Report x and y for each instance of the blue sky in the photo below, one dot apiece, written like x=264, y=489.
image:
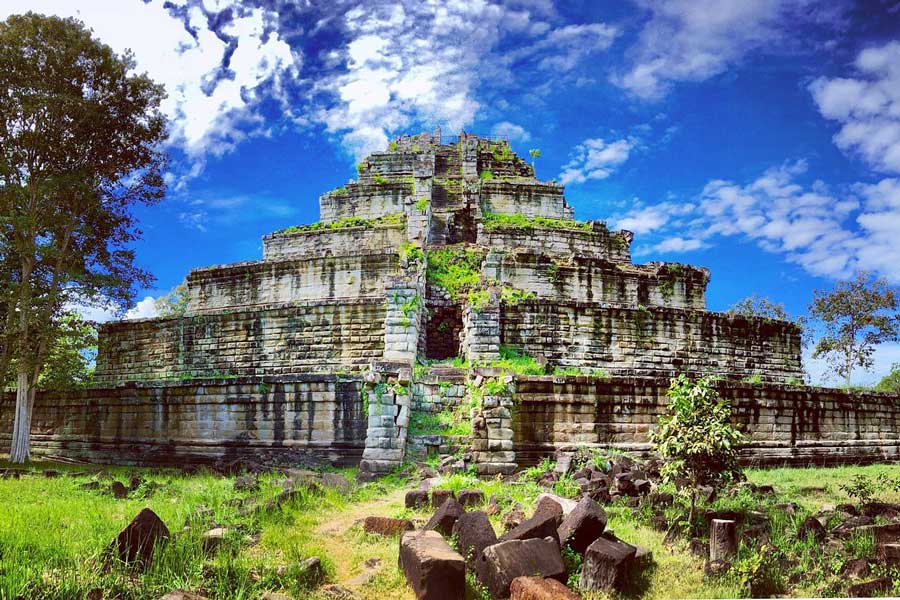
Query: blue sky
x=760, y=139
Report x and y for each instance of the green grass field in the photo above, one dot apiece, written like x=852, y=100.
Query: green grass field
x=53, y=534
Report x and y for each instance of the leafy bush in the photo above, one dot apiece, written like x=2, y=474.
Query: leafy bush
x=493, y=220
x=347, y=222
x=760, y=573
x=456, y=270
x=484, y=175
x=695, y=436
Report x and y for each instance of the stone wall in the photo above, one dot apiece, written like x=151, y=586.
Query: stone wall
x=601, y=243
x=785, y=424
x=653, y=341
x=261, y=283
x=596, y=280
x=294, y=420
x=365, y=200
x=532, y=199
x=380, y=239
x=301, y=337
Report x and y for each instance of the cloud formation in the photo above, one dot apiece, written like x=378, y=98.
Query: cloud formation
x=867, y=107
x=693, y=40
x=595, y=158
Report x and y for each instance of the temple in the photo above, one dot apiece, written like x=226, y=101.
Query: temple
x=425, y=287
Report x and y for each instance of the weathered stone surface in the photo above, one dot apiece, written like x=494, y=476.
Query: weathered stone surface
x=716, y=568
x=541, y=525
x=539, y=588
x=386, y=526
x=445, y=517
x=723, y=542
x=607, y=562
x=213, y=538
x=812, y=528
x=513, y=518
x=503, y=562
x=416, y=499
x=474, y=533
x=567, y=504
x=118, y=489
x=547, y=506
x=469, y=498
x=432, y=568
x=582, y=526
x=336, y=481
x=870, y=588
x=438, y=497
x=136, y=542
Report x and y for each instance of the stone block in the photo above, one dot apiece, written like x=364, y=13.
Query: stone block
x=607, y=562
x=444, y=518
x=582, y=526
x=502, y=563
x=474, y=533
x=432, y=568
x=538, y=588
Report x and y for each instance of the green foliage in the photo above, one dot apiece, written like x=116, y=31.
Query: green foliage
x=503, y=153
x=553, y=272
x=512, y=296
x=864, y=489
x=393, y=147
x=379, y=180
x=408, y=308
x=360, y=167
x=70, y=360
x=695, y=435
x=534, y=153
x=890, y=382
x=422, y=204
x=857, y=316
x=534, y=473
x=755, y=379
x=495, y=386
x=566, y=487
x=486, y=175
x=348, y=222
x=456, y=270
x=478, y=299
x=411, y=254
x=493, y=221
x=514, y=360
x=341, y=191
x=173, y=304
x=760, y=573
x=448, y=422
x=596, y=373
x=759, y=307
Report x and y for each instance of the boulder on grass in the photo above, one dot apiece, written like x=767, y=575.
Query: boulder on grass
x=336, y=481
x=607, y=562
x=870, y=588
x=416, y=499
x=432, y=568
x=538, y=588
x=213, y=538
x=118, y=489
x=812, y=527
x=386, y=526
x=723, y=542
x=474, y=533
x=470, y=498
x=541, y=525
x=549, y=506
x=567, y=504
x=438, y=497
x=445, y=517
x=582, y=526
x=135, y=543
x=513, y=518
x=503, y=562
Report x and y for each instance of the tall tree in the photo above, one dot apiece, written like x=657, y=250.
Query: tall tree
x=759, y=306
x=857, y=315
x=80, y=137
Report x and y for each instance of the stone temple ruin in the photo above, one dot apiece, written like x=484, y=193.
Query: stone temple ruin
x=425, y=280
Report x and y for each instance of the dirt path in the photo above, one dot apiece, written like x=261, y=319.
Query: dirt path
x=362, y=563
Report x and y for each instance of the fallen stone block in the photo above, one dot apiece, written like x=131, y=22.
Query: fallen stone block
x=513, y=519
x=310, y=573
x=416, y=499
x=432, y=568
x=136, y=542
x=503, y=562
x=445, y=517
x=386, y=526
x=856, y=568
x=539, y=526
x=538, y=588
x=246, y=483
x=812, y=527
x=870, y=588
x=470, y=498
x=716, y=568
x=438, y=497
x=582, y=526
x=118, y=489
x=213, y=538
x=548, y=506
x=888, y=553
x=607, y=562
x=337, y=482
x=474, y=533
x=566, y=504
x=275, y=596
x=723, y=542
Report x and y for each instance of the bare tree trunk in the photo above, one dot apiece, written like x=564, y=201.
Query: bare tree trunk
x=21, y=436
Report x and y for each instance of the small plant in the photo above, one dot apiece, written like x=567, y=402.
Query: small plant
x=393, y=146
x=341, y=191
x=566, y=487
x=494, y=386
x=422, y=204
x=360, y=167
x=537, y=471
x=379, y=180
x=695, y=436
x=493, y=221
x=408, y=308
x=553, y=273
x=755, y=379
x=864, y=489
x=486, y=175
x=478, y=299
x=411, y=254
x=512, y=296
x=760, y=573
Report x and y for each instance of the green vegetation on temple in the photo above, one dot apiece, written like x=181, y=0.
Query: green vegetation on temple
x=492, y=221
x=348, y=222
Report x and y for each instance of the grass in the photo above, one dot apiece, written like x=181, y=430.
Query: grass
x=347, y=222
x=518, y=221
x=53, y=533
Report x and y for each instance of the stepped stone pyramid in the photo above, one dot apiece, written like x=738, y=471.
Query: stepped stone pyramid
x=507, y=266
x=444, y=258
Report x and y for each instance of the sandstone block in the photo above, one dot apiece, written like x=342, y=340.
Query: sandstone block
x=432, y=568
x=386, y=526
x=445, y=517
x=540, y=526
x=538, y=588
x=136, y=542
x=583, y=525
x=503, y=562
x=607, y=562
x=474, y=533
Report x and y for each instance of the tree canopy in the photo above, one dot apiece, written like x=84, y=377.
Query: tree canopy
x=856, y=316
x=80, y=145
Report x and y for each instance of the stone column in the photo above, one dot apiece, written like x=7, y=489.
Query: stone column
x=481, y=330
x=418, y=211
x=388, y=398
x=405, y=302
x=492, y=433
x=469, y=156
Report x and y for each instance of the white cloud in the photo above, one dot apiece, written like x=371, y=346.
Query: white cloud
x=827, y=232
x=511, y=130
x=595, y=158
x=867, y=107
x=692, y=40
x=214, y=80
x=144, y=309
